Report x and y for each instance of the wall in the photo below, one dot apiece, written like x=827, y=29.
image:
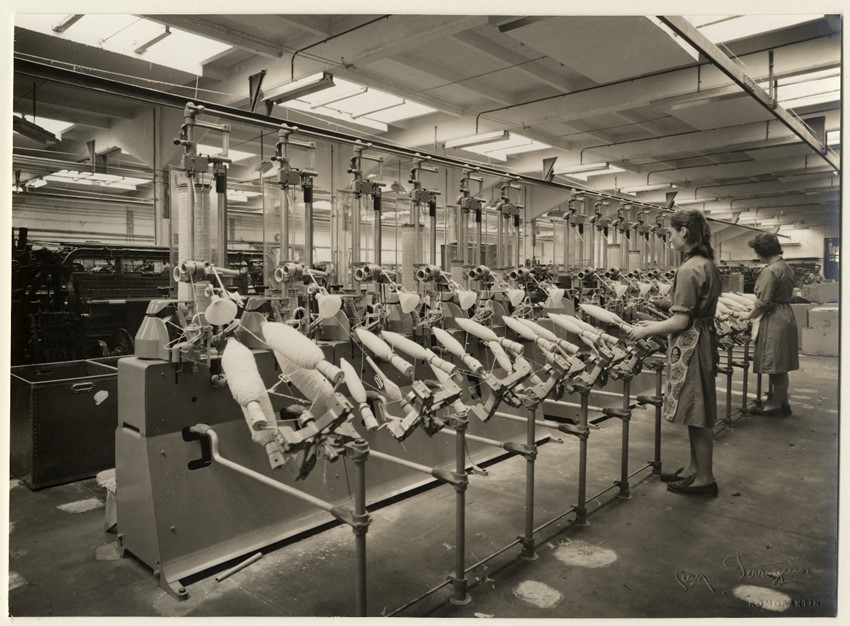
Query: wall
x=801, y=244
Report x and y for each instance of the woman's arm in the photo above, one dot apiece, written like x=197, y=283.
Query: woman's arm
x=677, y=322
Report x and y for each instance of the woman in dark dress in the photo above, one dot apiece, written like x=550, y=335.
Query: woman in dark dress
x=691, y=397
x=776, y=342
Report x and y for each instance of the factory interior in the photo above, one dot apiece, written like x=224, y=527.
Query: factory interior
x=338, y=315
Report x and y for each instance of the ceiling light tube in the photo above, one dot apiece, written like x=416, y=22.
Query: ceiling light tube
x=648, y=187
x=478, y=140
x=145, y=46
x=581, y=169
x=32, y=131
x=695, y=201
x=301, y=88
x=67, y=22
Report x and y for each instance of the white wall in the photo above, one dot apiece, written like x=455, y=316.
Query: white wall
x=800, y=244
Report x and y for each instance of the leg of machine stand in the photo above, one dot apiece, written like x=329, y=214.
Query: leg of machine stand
x=758, y=389
x=729, y=374
x=744, y=399
x=656, y=464
x=459, y=580
x=362, y=453
x=581, y=507
x=527, y=540
x=624, y=455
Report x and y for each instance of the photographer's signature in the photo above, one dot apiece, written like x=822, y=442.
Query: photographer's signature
x=778, y=569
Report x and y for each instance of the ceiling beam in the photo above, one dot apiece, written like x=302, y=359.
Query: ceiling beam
x=66, y=114
x=734, y=71
x=314, y=24
x=661, y=87
x=223, y=33
x=829, y=181
x=488, y=40
x=742, y=169
x=456, y=78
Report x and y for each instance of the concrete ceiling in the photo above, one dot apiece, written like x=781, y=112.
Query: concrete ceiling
x=614, y=89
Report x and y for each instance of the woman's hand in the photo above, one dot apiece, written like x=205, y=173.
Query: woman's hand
x=640, y=330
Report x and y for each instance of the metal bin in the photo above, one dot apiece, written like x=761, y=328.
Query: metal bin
x=63, y=419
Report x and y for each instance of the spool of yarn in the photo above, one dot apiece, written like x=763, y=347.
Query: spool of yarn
x=299, y=349
x=392, y=390
x=454, y=346
x=245, y=384
x=358, y=393
x=416, y=351
x=381, y=350
x=501, y=356
x=485, y=334
x=547, y=334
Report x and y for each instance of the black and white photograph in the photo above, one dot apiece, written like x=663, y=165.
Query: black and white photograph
x=453, y=310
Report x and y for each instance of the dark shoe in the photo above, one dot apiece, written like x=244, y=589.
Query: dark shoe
x=668, y=477
x=710, y=491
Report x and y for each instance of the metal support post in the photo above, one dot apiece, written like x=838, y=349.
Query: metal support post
x=527, y=540
x=730, y=372
x=624, y=454
x=581, y=507
x=360, y=454
x=459, y=581
x=746, y=368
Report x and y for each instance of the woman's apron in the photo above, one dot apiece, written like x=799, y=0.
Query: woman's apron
x=683, y=345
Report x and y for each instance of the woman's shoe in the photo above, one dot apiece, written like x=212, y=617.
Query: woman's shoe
x=783, y=411
x=710, y=491
x=668, y=477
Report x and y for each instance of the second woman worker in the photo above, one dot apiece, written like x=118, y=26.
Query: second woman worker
x=776, y=341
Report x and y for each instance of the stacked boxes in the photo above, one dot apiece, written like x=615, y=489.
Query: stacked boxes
x=820, y=336
x=822, y=292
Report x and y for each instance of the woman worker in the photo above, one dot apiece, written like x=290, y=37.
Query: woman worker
x=776, y=342
x=690, y=397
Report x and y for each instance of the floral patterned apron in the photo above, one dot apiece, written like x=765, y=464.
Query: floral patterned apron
x=682, y=348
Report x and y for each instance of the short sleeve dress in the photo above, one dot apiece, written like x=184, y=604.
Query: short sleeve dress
x=776, y=344
x=691, y=396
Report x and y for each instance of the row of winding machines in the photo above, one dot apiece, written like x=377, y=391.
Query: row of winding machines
x=233, y=405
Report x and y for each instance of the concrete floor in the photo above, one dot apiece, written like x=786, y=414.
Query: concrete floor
x=766, y=547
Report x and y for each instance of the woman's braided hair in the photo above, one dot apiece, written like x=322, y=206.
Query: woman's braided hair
x=699, y=233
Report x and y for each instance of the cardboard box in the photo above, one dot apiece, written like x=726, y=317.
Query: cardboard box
x=824, y=317
x=822, y=292
x=819, y=341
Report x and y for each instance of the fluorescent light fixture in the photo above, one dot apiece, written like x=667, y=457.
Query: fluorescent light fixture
x=32, y=131
x=733, y=27
x=648, y=187
x=694, y=201
x=611, y=169
x=240, y=195
x=155, y=40
x=301, y=88
x=349, y=102
x=499, y=145
x=479, y=140
x=97, y=179
x=833, y=138
x=67, y=22
x=233, y=155
x=35, y=183
x=580, y=168
x=126, y=34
